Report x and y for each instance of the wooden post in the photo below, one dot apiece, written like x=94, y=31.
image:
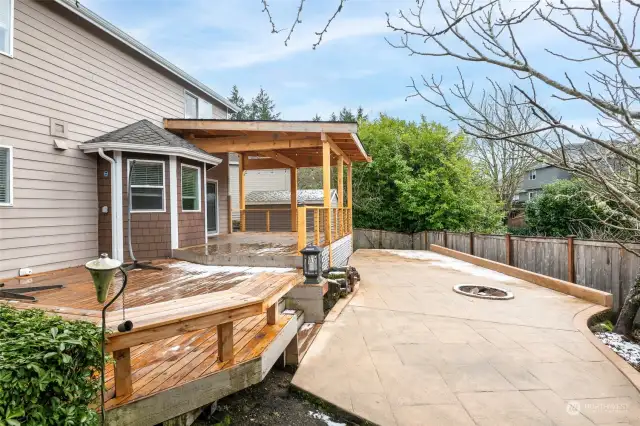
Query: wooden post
x=294, y=198
x=273, y=314
x=268, y=221
x=507, y=242
x=123, y=372
x=225, y=341
x=471, y=243
x=326, y=187
x=350, y=197
x=302, y=227
x=340, y=172
x=444, y=237
x=571, y=259
x=241, y=202
x=229, y=214
x=316, y=227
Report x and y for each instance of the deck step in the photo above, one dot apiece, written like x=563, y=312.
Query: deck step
x=306, y=334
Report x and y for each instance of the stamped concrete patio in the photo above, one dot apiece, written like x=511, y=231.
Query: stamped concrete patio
x=407, y=350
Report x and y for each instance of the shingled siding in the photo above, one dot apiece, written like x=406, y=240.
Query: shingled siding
x=191, y=229
x=151, y=232
x=67, y=70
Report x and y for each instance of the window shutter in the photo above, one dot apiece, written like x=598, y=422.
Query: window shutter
x=146, y=174
x=4, y=175
x=189, y=183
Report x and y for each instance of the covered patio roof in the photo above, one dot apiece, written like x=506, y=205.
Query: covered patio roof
x=273, y=144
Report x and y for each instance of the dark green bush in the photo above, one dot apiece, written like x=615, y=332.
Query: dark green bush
x=48, y=369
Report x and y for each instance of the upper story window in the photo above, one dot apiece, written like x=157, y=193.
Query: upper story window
x=190, y=188
x=6, y=176
x=195, y=107
x=147, y=185
x=6, y=27
x=532, y=175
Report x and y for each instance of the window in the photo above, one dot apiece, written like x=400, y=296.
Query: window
x=147, y=185
x=6, y=27
x=190, y=105
x=6, y=176
x=531, y=195
x=190, y=188
x=194, y=107
x=532, y=175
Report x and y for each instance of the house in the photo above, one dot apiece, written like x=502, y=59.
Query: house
x=68, y=76
x=106, y=147
x=255, y=180
x=536, y=177
x=277, y=203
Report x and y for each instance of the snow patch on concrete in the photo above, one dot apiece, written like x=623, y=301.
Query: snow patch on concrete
x=321, y=416
x=446, y=262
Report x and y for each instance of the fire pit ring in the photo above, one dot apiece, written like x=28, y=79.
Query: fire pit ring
x=483, y=291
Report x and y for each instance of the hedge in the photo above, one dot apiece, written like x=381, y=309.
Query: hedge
x=49, y=369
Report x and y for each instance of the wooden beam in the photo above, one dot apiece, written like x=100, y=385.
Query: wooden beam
x=241, y=196
x=122, y=374
x=267, y=163
x=278, y=157
x=225, y=341
x=293, y=174
x=255, y=137
x=257, y=126
x=273, y=314
x=350, y=198
x=229, y=214
x=212, y=146
x=336, y=149
x=340, y=181
x=302, y=227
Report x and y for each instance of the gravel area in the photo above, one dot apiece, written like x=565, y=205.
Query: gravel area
x=629, y=351
x=270, y=403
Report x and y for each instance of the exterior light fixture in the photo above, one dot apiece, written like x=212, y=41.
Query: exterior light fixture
x=312, y=264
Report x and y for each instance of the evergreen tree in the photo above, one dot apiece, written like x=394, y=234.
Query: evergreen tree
x=347, y=115
x=333, y=117
x=316, y=118
x=263, y=107
x=238, y=100
x=360, y=115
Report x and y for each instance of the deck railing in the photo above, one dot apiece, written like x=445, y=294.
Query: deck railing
x=265, y=220
x=322, y=225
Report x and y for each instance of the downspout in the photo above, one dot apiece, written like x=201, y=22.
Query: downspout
x=114, y=204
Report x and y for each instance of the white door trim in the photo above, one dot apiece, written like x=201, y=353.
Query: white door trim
x=217, y=207
x=173, y=201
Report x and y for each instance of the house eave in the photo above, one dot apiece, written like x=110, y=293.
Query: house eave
x=123, y=37
x=89, y=148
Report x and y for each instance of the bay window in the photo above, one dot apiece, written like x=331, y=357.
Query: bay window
x=190, y=188
x=147, y=185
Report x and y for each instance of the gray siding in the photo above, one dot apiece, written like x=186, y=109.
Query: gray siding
x=544, y=176
x=67, y=70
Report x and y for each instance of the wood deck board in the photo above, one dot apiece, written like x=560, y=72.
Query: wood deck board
x=162, y=370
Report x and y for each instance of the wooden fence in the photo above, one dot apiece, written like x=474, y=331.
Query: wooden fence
x=602, y=265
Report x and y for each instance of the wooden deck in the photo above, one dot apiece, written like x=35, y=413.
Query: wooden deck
x=200, y=332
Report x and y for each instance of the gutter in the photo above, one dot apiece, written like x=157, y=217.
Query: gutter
x=146, y=149
x=106, y=26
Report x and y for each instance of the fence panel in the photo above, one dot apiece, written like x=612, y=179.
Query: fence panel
x=547, y=256
x=490, y=247
x=459, y=242
x=376, y=239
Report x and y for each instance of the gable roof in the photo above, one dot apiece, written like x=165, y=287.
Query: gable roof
x=305, y=196
x=144, y=136
x=106, y=26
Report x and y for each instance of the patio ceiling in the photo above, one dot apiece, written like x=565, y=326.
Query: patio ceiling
x=273, y=144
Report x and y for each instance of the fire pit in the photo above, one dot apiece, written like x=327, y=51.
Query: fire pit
x=483, y=291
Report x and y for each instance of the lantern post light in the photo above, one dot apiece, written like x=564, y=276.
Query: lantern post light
x=312, y=264
x=103, y=270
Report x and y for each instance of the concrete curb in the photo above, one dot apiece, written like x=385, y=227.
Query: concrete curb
x=580, y=321
x=592, y=295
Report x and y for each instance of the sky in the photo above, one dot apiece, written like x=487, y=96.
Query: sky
x=223, y=43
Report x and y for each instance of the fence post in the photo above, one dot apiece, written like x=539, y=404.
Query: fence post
x=471, y=243
x=444, y=237
x=507, y=242
x=571, y=259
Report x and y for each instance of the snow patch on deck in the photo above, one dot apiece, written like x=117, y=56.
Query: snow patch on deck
x=209, y=270
x=446, y=262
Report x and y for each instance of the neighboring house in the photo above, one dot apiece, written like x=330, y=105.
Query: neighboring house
x=255, y=180
x=68, y=76
x=278, y=203
x=539, y=175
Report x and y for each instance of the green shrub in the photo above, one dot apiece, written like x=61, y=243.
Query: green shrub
x=49, y=369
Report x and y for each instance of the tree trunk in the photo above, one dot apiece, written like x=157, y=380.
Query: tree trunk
x=624, y=325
